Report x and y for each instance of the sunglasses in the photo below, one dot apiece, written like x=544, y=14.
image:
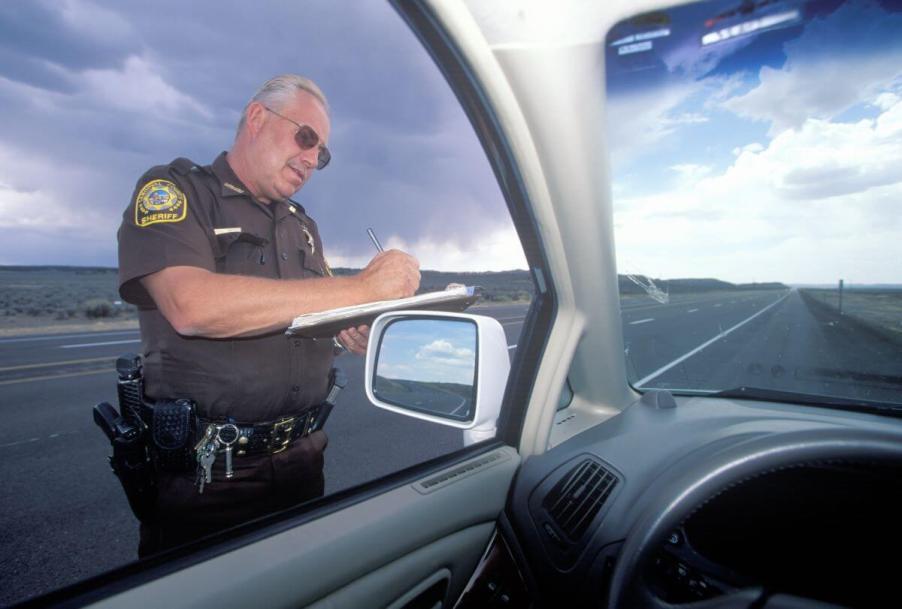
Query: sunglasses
x=307, y=138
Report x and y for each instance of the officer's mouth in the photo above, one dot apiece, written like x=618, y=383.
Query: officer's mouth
x=301, y=175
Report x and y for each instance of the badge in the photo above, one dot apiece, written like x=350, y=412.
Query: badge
x=309, y=236
x=160, y=201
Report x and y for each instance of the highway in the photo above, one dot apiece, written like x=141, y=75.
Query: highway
x=771, y=340
x=65, y=518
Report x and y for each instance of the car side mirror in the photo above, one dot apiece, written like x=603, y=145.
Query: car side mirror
x=448, y=368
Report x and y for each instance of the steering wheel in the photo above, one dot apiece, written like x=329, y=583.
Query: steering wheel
x=690, y=483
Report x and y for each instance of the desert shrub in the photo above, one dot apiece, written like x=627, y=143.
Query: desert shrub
x=97, y=308
x=66, y=314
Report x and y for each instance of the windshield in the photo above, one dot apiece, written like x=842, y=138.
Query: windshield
x=757, y=188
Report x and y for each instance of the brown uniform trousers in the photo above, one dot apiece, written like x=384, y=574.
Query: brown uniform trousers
x=262, y=484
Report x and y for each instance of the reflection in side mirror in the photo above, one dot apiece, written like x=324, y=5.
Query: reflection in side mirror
x=442, y=367
x=429, y=366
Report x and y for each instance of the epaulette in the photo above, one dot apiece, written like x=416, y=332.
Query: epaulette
x=297, y=205
x=183, y=166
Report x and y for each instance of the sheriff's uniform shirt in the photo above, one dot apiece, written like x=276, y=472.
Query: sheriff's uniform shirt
x=185, y=215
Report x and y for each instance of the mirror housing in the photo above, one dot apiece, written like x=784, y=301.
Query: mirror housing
x=457, y=367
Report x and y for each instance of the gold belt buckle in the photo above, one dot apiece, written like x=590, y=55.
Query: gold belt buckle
x=281, y=434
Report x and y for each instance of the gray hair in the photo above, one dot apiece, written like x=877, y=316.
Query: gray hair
x=278, y=91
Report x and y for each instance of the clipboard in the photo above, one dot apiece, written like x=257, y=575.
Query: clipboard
x=327, y=324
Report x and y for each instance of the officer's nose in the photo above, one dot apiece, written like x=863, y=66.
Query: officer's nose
x=310, y=158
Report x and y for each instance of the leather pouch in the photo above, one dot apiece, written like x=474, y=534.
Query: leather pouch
x=173, y=433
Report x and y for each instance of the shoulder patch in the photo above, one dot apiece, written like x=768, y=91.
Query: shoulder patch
x=160, y=201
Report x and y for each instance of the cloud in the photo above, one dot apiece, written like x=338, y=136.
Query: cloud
x=70, y=34
x=826, y=159
x=441, y=361
x=444, y=352
x=138, y=87
x=815, y=84
x=499, y=250
x=37, y=217
x=638, y=121
x=815, y=204
x=691, y=172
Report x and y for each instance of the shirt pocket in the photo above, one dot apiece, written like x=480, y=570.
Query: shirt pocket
x=313, y=264
x=240, y=252
x=310, y=251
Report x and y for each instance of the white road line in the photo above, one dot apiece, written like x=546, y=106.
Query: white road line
x=641, y=321
x=52, y=436
x=463, y=402
x=110, y=342
x=28, y=441
x=692, y=310
x=686, y=356
x=509, y=347
x=718, y=304
x=64, y=336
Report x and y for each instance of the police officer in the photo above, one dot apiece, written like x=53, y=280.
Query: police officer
x=219, y=260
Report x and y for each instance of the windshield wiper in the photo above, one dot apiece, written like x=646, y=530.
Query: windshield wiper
x=890, y=409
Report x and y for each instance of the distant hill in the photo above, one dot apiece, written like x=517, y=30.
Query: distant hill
x=33, y=293
x=683, y=286
x=506, y=286
x=78, y=270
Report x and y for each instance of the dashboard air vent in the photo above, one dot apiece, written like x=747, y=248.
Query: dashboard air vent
x=574, y=501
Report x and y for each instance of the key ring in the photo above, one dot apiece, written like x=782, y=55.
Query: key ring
x=230, y=436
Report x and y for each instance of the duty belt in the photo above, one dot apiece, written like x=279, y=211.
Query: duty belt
x=270, y=437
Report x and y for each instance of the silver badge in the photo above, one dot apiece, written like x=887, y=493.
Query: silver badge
x=309, y=236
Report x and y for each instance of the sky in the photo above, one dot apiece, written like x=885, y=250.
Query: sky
x=410, y=351
x=768, y=158
x=94, y=93
x=763, y=158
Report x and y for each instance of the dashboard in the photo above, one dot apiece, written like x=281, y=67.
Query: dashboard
x=709, y=500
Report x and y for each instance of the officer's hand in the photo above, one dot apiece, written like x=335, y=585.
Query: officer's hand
x=356, y=339
x=391, y=274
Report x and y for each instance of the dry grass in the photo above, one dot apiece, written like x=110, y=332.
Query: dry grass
x=41, y=299
x=881, y=309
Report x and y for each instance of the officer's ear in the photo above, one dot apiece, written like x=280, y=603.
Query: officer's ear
x=254, y=118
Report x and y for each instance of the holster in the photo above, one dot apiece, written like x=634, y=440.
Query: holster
x=130, y=460
x=134, y=468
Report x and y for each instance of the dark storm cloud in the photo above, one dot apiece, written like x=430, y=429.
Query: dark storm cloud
x=63, y=34
x=105, y=90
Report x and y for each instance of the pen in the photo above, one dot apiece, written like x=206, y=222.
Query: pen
x=375, y=241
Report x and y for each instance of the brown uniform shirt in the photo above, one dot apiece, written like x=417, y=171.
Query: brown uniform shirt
x=185, y=215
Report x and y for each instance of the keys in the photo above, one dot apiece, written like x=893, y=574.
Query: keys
x=205, y=459
x=226, y=436
x=205, y=439
x=205, y=451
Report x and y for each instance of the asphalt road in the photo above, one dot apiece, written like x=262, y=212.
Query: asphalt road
x=771, y=340
x=65, y=518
